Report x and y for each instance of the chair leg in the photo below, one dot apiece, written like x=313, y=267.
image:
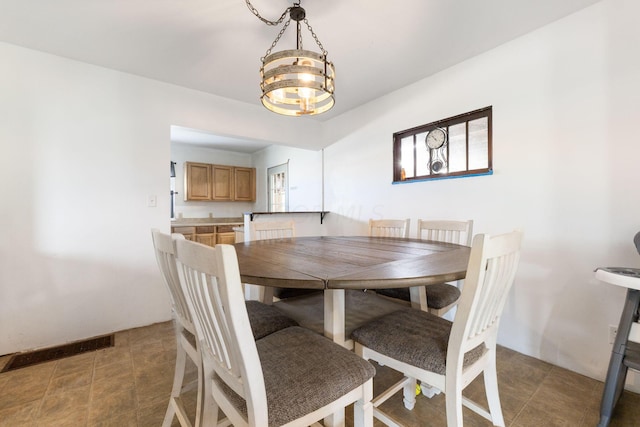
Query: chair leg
x=429, y=390
x=176, y=391
x=200, y=396
x=210, y=407
x=453, y=401
x=336, y=419
x=617, y=371
x=491, y=389
x=409, y=394
x=363, y=408
x=613, y=386
x=168, y=416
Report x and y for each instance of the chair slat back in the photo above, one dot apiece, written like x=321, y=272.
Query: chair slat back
x=490, y=274
x=389, y=227
x=459, y=232
x=272, y=230
x=211, y=280
x=165, y=255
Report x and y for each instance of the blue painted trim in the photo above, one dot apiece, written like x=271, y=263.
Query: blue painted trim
x=410, y=181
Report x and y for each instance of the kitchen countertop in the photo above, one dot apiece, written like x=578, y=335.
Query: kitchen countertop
x=191, y=222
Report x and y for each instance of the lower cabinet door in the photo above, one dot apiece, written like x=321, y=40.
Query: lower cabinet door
x=206, y=239
x=226, y=238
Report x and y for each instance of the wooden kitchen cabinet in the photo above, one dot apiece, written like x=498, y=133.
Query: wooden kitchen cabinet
x=244, y=184
x=225, y=234
x=197, y=181
x=209, y=235
x=222, y=183
x=219, y=183
x=206, y=234
x=189, y=233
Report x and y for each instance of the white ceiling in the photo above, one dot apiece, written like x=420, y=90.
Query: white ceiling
x=183, y=135
x=215, y=45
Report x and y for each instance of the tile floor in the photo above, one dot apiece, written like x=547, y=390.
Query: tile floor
x=129, y=384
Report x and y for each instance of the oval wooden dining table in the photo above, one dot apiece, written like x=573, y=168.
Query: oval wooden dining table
x=335, y=264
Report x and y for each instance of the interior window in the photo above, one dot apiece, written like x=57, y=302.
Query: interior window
x=454, y=147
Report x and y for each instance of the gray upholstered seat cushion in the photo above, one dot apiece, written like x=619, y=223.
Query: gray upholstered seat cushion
x=304, y=371
x=414, y=337
x=438, y=296
x=266, y=319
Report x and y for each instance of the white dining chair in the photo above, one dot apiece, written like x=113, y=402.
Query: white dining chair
x=448, y=355
x=389, y=227
x=186, y=343
x=442, y=297
x=293, y=377
x=276, y=230
x=272, y=230
x=449, y=231
x=263, y=319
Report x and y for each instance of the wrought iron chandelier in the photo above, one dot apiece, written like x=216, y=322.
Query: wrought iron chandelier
x=295, y=82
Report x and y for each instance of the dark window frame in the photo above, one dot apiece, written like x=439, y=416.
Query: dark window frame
x=444, y=124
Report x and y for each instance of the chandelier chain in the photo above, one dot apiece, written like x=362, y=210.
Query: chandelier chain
x=313, y=34
x=266, y=21
x=279, y=21
x=275, y=42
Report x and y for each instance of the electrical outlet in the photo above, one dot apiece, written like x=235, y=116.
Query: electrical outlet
x=613, y=330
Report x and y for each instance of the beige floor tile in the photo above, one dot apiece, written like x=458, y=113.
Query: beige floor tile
x=112, y=405
x=512, y=399
x=73, y=418
x=70, y=381
x=112, y=355
x=59, y=402
x=124, y=419
x=3, y=380
x=42, y=371
x=556, y=401
x=123, y=368
x=26, y=385
x=152, y=392
x=80, y=363
x=152, y=414
x=23, y=414
x=534, y=417
x=121, y=339
x=152, y=354
x=109, y=385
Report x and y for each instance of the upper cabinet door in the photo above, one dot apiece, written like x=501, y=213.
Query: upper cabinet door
x=197, y=179
x=222, y=183
x=245, y=184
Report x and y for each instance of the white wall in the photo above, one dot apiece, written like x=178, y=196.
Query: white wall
x=304, y=177
x=305, y=187
x=82, y=148
x=565, y=113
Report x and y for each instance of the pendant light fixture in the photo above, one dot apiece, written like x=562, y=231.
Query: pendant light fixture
x=295, y=82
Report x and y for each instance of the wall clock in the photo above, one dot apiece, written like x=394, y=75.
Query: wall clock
x=436, y=138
